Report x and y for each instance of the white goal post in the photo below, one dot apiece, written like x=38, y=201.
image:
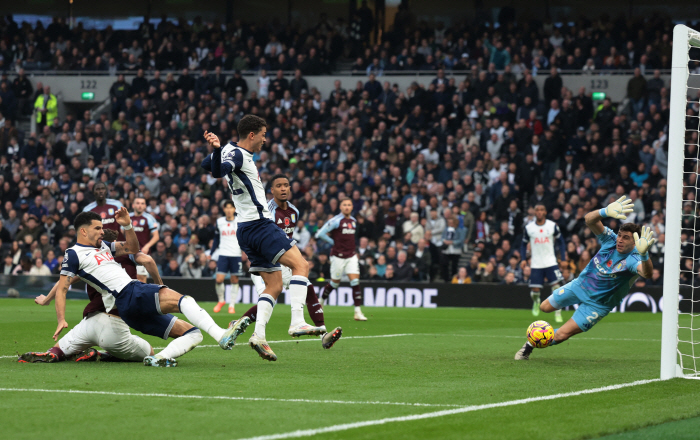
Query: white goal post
x=677, y=343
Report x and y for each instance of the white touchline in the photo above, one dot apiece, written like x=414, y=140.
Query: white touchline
x=253, y=399
x=446, y=412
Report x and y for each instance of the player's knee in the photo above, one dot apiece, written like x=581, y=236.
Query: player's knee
x=301, y=266
x=220, y=278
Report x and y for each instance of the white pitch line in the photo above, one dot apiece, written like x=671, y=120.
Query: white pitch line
x=252, y=399
x=447, y=412
x=585, y=338
x=311, y=340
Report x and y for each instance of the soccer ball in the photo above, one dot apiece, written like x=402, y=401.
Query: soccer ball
x=540, y=334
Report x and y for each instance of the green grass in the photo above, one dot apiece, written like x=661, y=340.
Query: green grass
x=457, y=357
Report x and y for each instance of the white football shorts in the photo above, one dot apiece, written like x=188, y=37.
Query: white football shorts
x=347, y=266
x=108, y=332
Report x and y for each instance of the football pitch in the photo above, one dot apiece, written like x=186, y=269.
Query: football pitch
x=404, y=374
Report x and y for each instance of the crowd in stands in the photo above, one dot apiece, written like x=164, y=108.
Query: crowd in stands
x=587, y=46
x=436, y=172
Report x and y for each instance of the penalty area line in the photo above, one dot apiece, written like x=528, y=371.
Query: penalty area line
x=442, y=413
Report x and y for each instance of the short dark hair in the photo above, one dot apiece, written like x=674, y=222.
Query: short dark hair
x=228, y=202
x=85, y=219
x=250, y=123
x=631, y=227
x=110, y=235
x=278, y=176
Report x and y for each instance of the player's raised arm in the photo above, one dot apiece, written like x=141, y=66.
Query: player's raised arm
x=131, y=245
x=643, y=243
x=213, y=164
x=617, y=209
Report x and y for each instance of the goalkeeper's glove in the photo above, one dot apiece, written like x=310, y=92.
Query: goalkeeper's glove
x=644, y=242
x=618, y=209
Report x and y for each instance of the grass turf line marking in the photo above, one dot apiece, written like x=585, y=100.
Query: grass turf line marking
x=446, y=412
x=314, y=339
x=585, y=338
x=255, y=399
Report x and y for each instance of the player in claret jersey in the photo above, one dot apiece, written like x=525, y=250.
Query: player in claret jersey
x=229, y=256
x=342, y=229
x=285, y=215
x=106, y=208
x=606, y=279
x=146, y=229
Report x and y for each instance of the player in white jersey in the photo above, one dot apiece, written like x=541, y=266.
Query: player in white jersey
x=229, y=256
x=264, y=243
x=541, y=235
x=143, y=307
x=98, y=328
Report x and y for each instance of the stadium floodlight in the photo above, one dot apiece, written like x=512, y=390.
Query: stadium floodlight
x=681, y=318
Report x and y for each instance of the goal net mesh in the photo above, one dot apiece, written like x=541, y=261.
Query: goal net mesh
x=688, y=345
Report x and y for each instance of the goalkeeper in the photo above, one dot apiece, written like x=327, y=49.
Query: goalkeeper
x=607, y=277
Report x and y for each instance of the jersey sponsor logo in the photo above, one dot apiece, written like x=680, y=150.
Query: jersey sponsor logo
x=227, y=233
x=348, y=231
x=544, y=240
x=139, y=229
x=106, y=221
x=103, y=257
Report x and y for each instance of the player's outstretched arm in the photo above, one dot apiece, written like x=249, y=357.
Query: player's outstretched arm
x=617, y=209
x=643, y=243
x=150, y=265
x=65, y=283
x=131, y=245
x=45, y=300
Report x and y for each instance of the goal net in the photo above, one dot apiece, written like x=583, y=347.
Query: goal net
x=680, y=342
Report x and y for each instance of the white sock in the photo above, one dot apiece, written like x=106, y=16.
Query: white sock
x=557, y=313
x=297, y=291
x=182, y=345
x=534, y=295
x=266, y=303
x=199, y=318
x=220, y=289
x=234, y=293
x=358, y=309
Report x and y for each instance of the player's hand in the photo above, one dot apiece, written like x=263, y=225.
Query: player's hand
x=145, y=249
x=122, y=217
x=61, y=325
x=212, y=139
x=619, y=208
x=644, y=242
x=42, y=300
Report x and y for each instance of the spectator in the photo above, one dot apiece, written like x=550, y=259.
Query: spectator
x=39, y=268
x=46, y=106
x=461, y=277
x=403, y=270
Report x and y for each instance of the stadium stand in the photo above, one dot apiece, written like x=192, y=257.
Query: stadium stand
x=470, y=152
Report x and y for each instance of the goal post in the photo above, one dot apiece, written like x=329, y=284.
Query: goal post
x=677, y=349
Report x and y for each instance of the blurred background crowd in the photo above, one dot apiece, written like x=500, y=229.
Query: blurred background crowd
x=443, y=174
